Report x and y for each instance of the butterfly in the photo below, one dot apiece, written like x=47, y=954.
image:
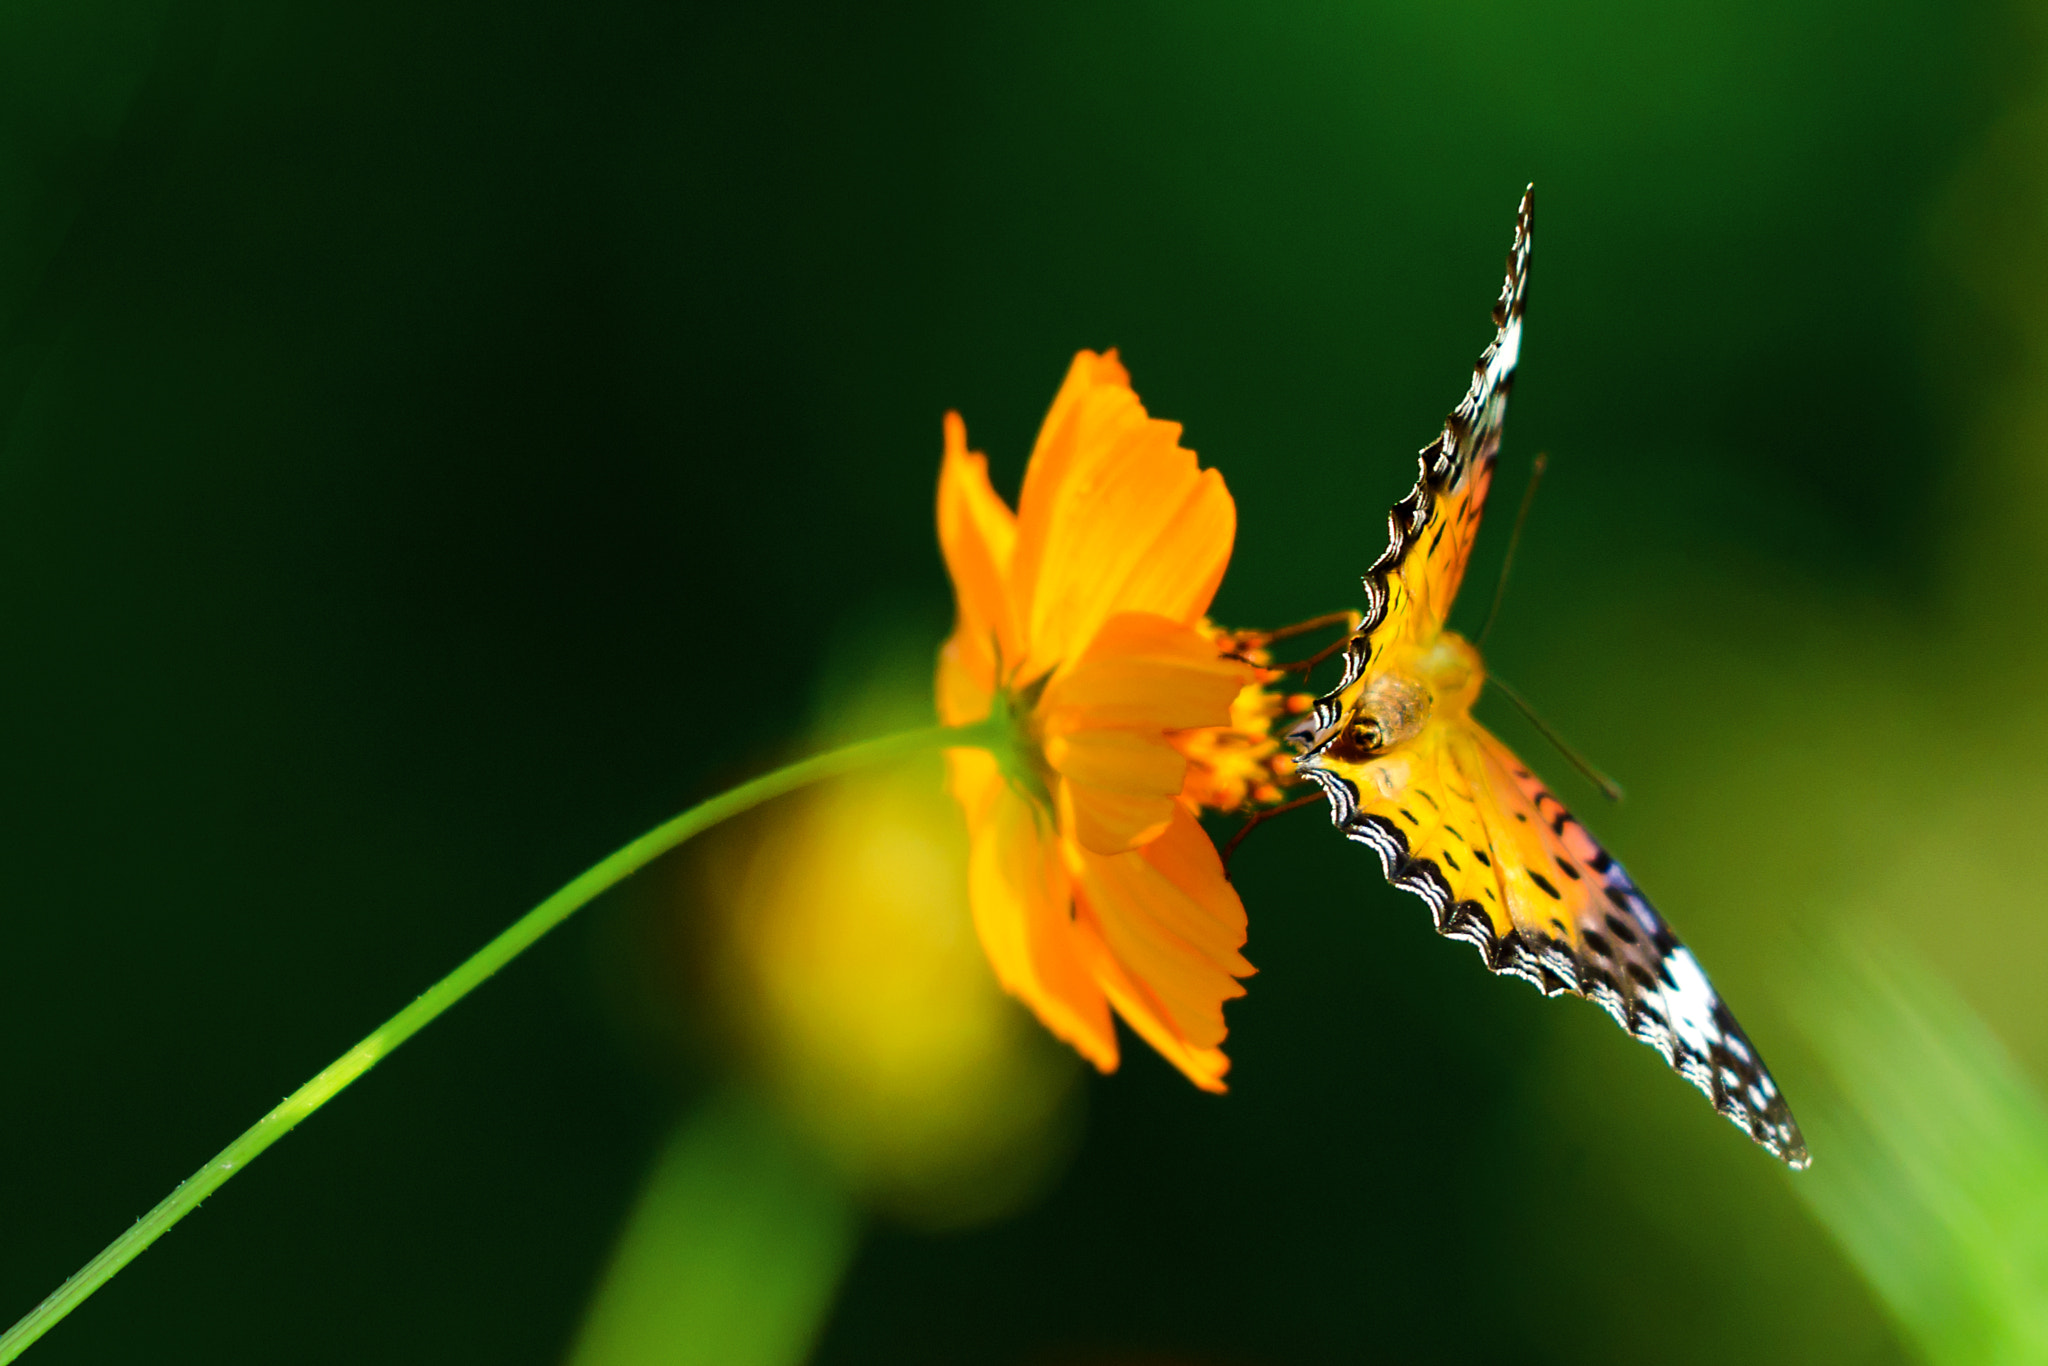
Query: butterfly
x=1461, y=822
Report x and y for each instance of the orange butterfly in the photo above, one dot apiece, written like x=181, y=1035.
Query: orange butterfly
x=1458, y=820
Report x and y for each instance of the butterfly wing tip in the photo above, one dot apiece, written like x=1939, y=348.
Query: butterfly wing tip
x=1780, y=1138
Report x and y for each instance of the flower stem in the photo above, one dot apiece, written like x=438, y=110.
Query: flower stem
x=515, y=940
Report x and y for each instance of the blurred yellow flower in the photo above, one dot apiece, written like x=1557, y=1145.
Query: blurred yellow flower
x=1080, y=620
x=866, y=1012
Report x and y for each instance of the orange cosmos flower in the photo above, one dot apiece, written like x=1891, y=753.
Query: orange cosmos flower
x=1081, y=622
x=1240, y=767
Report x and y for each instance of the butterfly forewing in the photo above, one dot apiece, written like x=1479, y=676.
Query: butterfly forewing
x=1430, y=533
x=1462, y=823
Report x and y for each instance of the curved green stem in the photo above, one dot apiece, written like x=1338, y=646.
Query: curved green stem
x=515, y=940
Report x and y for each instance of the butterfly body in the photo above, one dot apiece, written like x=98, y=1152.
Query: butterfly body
x=1457, y=819
x=1417, y=681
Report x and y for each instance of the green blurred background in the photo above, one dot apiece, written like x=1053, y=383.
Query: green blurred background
x=441, y=441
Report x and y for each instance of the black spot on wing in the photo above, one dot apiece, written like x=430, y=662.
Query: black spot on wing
x=1662, y=998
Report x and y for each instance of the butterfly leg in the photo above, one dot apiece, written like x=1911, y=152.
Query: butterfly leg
x=1348, y=619
x=1302, y=666
x=1258, y=818
x=1258, y=640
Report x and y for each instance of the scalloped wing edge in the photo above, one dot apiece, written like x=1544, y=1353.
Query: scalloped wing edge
x=1439, y=467
x=1555, y=969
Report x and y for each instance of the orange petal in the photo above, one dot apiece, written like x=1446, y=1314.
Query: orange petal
x=966, y=679
x=1120, y=786
x=1144, y=672
x=1182, y=943
x=975, y=780
x=1167, y=926
x=1205, y=1067
x=978, y=535
x=1018, y=888
x=1206, y=912
x=1115, y=516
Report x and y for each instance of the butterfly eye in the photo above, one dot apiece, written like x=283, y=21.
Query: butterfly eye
x=1363, y=738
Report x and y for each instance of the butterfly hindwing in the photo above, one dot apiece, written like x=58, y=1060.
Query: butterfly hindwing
x=1460, y=822
x=1417, y=811
x=1578, y=903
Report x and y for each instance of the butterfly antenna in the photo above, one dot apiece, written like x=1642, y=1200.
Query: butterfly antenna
x=1609, y=788
x=1500, y=587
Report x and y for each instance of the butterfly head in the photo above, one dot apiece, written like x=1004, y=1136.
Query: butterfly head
x=1394, y=697
x=1392, y=708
